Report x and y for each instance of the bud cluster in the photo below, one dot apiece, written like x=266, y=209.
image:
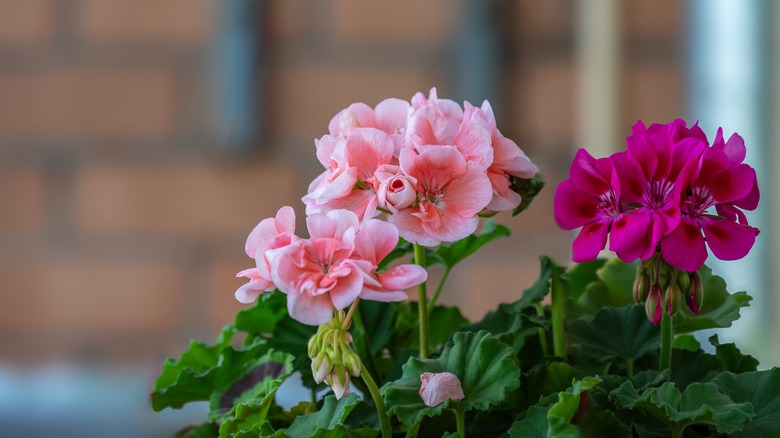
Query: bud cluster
x=662, y=287
x=332, y=357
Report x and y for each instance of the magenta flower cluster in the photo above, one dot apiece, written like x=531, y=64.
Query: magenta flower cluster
x=671, y=192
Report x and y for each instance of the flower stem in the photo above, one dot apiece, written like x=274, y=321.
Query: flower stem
x=348, y=318
x=630, y=367
x=422, y=303
x=384, y=421
x=666, y=341
x=542, y=333
x=432, y=302
x=460, y=419
x=558, y=298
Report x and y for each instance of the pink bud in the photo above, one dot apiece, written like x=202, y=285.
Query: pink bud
x=653, y=305
x=320, y=370
x=438, y=387
x=339, y=382
x=396, y=193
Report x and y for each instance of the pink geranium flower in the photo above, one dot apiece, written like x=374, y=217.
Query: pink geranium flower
x=338, y=264
x=269, y=234
x=390, y=116
x=450, y=192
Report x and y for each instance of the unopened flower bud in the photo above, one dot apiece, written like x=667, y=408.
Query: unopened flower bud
x=339, y=382
x=640, y=286
x=396, y=193
x=351, y=363
x=672, y=298
x=684, y=281
x=321, y=367
x=436, y=388
x=695, y=292
x=653, y=305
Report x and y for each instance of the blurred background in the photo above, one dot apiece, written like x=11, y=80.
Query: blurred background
x=141, y=141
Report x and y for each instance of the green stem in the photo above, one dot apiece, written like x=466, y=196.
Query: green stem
x=460, y=419
x=384, y=422
x=422, y=303
x=558, y=299
x=630, y=367
x=542, y=333
x=432, y=303
x=677, y=430
x=666, y=341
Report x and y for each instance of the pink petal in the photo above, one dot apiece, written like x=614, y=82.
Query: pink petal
x=403, y=277
x=436, y=166
x=627, y=230
x=684, y=247
x=340, y=187
x=347, y=289
x=509, y=158
x=367, y=149
x=265, y=230
x=436, y=388
x=573, y=208
x=728, y=240
x=392, y=115
x=590, y=241
x=504, y=198
x=468, y=194
x=310, y=310
x=375, y=240
x=356, y=115
x=474, y=142
x=410, y=227
x=452, y=226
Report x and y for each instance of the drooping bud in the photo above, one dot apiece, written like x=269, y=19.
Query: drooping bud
x=351, y=362
x=436, y=388
x=672, y=298
x=339, y=382
x=321, y=367
x=653, y=305
x=684, y=281
x=695, y=292
x=641, y=283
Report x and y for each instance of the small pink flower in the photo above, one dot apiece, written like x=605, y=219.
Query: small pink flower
x=450, y=194
x=436, y=388
x=269, y=234
x=396, y=190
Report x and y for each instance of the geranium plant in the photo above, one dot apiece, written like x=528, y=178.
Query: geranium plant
x=406, y=186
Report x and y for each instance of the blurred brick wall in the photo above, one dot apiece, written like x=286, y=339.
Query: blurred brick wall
x=123, y=219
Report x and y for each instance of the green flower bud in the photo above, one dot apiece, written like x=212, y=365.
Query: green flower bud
x=672, y=298
x=653, y=305
x=695, y=292
x=641, y=283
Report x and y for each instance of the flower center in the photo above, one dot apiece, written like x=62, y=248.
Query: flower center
x=699, y=200
x=608, y=204
x=657, y=193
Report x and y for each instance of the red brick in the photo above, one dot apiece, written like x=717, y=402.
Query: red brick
x=189, y=200
x=20, y=292
x=396, y=22
x=653, y=93
x=287, y=20
x=546, y=95
x=23, y=192
x=147, y=21
x=654, y=18
x=81, y=102
x=541, y=20
x=26, y=23
x=82, y=295
x=306, y=98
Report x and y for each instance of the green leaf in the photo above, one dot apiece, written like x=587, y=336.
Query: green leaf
x=377, y=321
x=444, y=321
x=483, y=364
x=192, y=377
x=732, y=359
x=762, y=390
x=248, y=417
x=623, y=333
x=686, y=342
x=527, y=188
x=541, y=286
x=205, y=430
x=557, y=419
x=579, y=275
x=455, y=253
x=719, y=309
x=264, y=315
x=328, y=421
x=700, y=403
x=612, y=288
x=246, y=375
x=693, y=366
x=290, y=336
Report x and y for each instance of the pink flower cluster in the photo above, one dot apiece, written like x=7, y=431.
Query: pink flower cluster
x=431, y=165
x=659, y=196
x=331, y=269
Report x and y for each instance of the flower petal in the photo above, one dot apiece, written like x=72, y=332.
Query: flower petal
x=310, y=310
x=684, y=247
x=368, y=149
x=627, y=230
x=728, y=240
x=467, y=194
x=573, y=207
x=590, y=241
x=375, y=240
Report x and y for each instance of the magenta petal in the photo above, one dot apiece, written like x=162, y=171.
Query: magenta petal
x=735, y=148
x=590, y=241
x=627, y=230
x=584, y=172
x=728, y=240
x=684, y=247
x=750, y=202
x=732, y=184
x=573, y=208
